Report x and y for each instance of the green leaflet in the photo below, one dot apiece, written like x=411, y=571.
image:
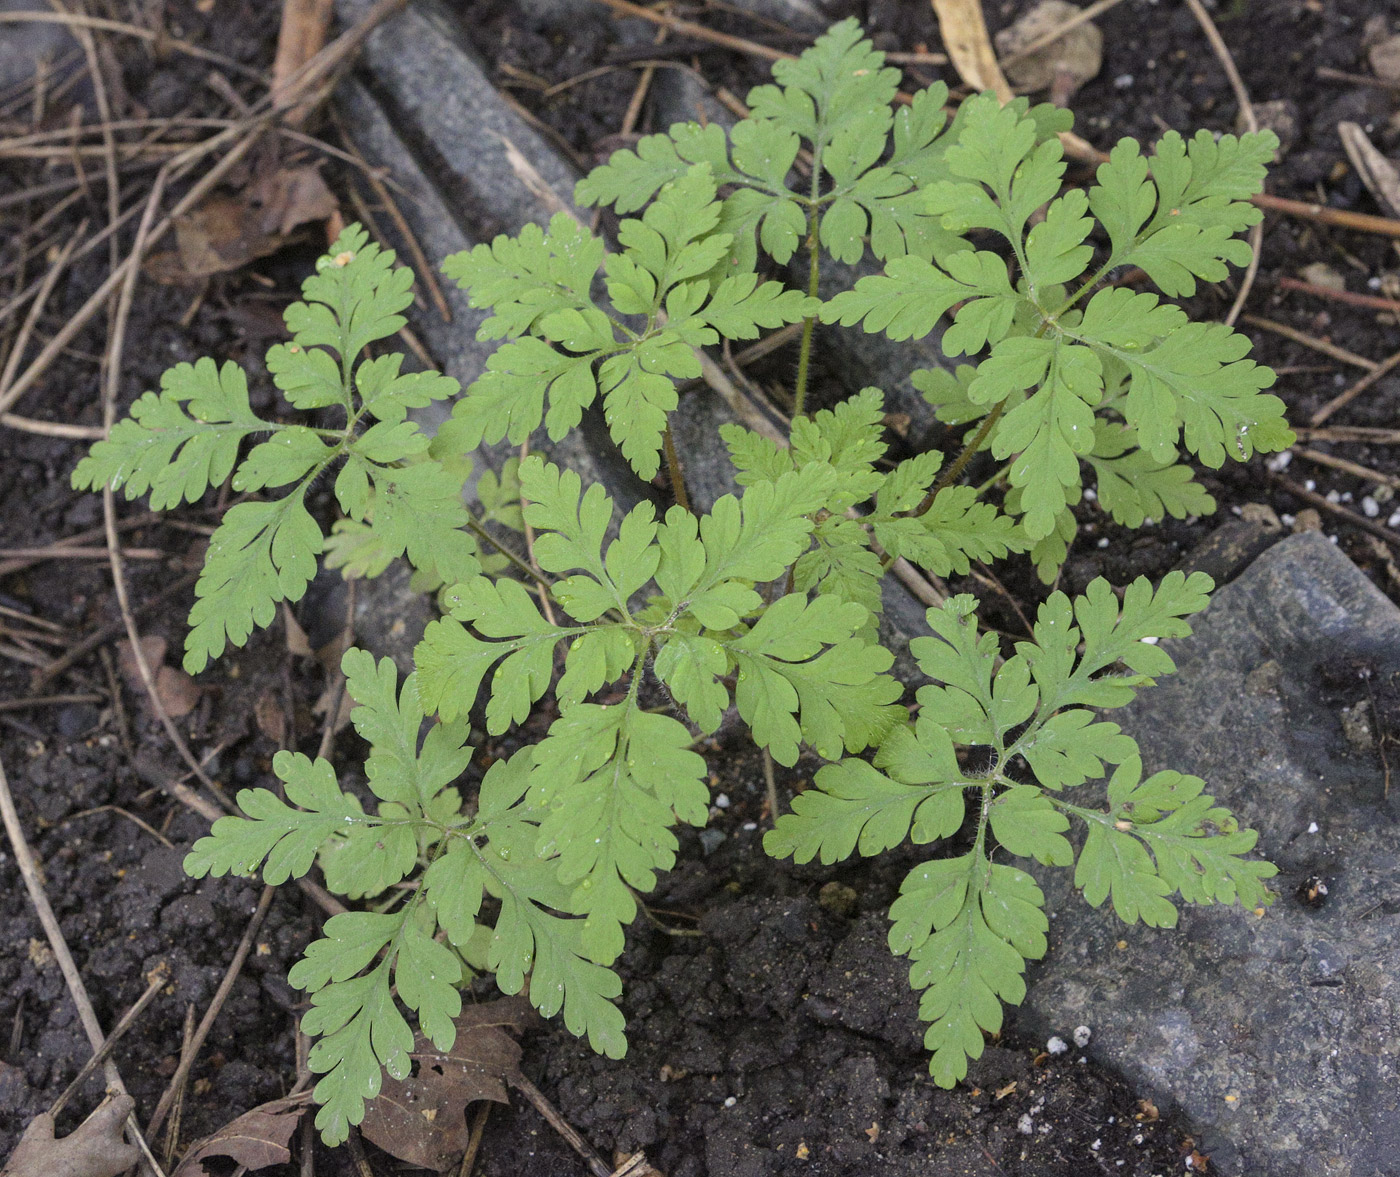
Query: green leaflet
x=179, y=444
x=767, y=603
x=566, y=350
x=970, y=923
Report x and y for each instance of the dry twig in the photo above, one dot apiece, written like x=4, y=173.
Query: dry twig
x=1347, y=396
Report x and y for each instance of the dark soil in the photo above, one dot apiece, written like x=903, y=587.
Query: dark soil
x=771, y=1030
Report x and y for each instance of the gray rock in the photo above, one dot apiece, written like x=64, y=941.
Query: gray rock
x=24, y=46
x=390, y=615
x=1278, y=1034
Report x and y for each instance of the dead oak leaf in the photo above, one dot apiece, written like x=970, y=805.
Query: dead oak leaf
x=94, y=1148
x=255, y=1140
x=422, y=1119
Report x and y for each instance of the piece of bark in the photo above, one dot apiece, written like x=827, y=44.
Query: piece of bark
x=93, y=1149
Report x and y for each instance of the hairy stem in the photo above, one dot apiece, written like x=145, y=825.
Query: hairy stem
x=673, y=467
x=804, y=349
x=951, y=475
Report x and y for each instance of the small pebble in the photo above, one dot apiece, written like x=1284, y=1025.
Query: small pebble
x=1025, y=1125
x=722, y=801
x=750, y=826
x=1369, y=507
x=1279, y=462
x=1082, y=1034
x=1310, y=484
x=1394, y=520
x=1123, y=81
x=1056, y=1045
x=1312, y=827
x=1103, y=543
x=1150, y=640
x=731, y=1101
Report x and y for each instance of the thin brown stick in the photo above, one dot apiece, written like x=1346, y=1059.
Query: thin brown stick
x=1369, y=434
x=131, y=817
x=770, y=786
x=177, y=1107
x=36, y=308
x=483, y=1113
x=1323, y=504
x=206, y=1023
x=1347, y=466
x=47, y=701
x=689, y=28
x=54, y=552
x=639, y=92
x=29, y=872
x=1312, y=341
x=1372, y=302
x=596, y=1165
x=1343, y=218
x=1083, y=16
x=53, y=428
x=109, y=512
x=1347, y=396
x=159, y=978
x=1327, y=74
x=301, y=35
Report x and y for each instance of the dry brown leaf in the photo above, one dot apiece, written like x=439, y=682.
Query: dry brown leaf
x=1066, y=63
x=1384, y=57
x=422, y=1119
x=226, y=232
x=257, y=1139
x=297, y=643
x=271, y=717
x=964, y=33
x=1376, y=172
x=93, y=1149
x=178, y=692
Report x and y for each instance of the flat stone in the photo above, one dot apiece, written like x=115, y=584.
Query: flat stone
x=24, y=46
x=1278, y=1033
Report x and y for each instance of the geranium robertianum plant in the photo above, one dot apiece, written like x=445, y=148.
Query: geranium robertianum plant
x=767, y=603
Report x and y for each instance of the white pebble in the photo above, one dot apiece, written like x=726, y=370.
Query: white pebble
x=1310, y=485
x=1279, y=462
x=1103, y=543
x=731, y=1101
x=1090, y=494
x=1025, y=1125
x=1334, y=496
x=1098, y=1144
x=1312, y=827
x=1123, y=81
x=1056, y=1045
x=750, y=826
x=1150, y=640
x=1394, y=520
x=1082, y=1034
x=722, y=801
x=1369, y=507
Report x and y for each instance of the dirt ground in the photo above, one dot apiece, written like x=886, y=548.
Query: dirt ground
x=771, y=1030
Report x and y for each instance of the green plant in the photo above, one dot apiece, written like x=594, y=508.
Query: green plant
x=768, y=602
